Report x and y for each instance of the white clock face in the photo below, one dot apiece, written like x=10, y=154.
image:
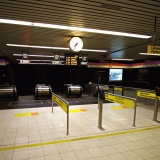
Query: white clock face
x=76, y=44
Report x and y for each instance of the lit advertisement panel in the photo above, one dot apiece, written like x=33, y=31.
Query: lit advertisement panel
x=115, y=74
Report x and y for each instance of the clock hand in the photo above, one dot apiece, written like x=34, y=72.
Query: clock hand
x=75, y=45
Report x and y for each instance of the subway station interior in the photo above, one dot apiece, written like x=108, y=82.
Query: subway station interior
x=79, y=80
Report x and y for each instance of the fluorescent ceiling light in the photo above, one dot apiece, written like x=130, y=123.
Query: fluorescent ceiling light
x=73, y=28
x=36, y=60
x=47, y=47
x=41, y=60
x=92, y=50
x=8, y=21
x=122, y=59
x=41, y=63
x=150, y=54
x=30, y=55
x=44, y=47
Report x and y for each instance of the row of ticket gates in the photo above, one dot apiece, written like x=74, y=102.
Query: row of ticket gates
x=43, y=90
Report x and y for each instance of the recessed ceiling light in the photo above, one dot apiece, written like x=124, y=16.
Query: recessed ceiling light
x=8, y=21
x=122, y=59
x=47, y=47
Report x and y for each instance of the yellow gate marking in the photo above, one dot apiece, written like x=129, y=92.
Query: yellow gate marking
x=81, y=138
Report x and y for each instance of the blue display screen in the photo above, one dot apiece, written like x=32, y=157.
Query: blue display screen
x=115, y=74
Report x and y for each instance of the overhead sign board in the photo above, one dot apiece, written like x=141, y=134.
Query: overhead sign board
x=153, y=49
x=71, y=59
x=145, y=94
x=60, y=102
x=120, y=100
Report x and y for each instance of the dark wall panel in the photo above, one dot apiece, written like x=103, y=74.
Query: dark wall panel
x=27, y=76
x=3, y=75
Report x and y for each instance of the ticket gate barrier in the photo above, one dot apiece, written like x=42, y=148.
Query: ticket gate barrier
x=72, y=90
x=42, y=90
x=8, y=91
x=63, y=104
x=101, y=90
x=149, y=94
x=127, y=101
x=117, y=88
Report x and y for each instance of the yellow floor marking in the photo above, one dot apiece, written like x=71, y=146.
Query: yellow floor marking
x=77, y=110
x=26, y=114
x=119, y=107
x=81, y=138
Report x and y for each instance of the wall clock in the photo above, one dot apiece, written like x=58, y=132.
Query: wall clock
x=75, y=44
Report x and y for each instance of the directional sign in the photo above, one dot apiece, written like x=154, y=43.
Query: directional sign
x=120, y=100
x=117, y=89
x=145, y=94
x=59, y=102
x=153, y=49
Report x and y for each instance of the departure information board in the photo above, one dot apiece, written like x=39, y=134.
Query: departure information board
x=71, y=59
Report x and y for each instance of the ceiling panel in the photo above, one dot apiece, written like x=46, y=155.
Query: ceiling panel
x=136, y=16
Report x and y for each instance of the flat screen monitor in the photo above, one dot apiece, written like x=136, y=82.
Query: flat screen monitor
x=115, y=74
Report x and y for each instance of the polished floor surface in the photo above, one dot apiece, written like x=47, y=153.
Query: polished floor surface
x=39, y=134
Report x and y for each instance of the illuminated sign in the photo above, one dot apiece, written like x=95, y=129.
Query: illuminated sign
x=71, y=59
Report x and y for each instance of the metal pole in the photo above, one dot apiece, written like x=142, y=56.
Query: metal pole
x=155, y=109
x=136, y=95
x=52, y=106
x=100, y=115
x=122, y=91
x=146, y=101
x=154, y=31
x=67, y=119
x=134, y=119
x=98, y=98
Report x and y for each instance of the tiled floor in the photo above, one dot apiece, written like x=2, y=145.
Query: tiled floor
x=51, y=127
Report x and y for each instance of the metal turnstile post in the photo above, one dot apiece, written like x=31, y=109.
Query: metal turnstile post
x=98, y=99
x=52, y=106
x=100, y=104
x=156, y=109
